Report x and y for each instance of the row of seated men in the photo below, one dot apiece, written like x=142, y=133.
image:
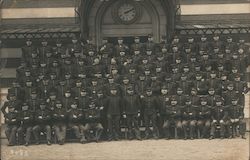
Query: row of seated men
x=180, y=70
x=193, y=116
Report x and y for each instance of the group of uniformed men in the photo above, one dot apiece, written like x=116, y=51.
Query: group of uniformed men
x=193, y=88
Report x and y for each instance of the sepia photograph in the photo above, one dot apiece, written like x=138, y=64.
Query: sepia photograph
x=124, y=79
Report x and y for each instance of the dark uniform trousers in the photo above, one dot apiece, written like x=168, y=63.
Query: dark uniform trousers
x=60, y=131
x=175, y=114
x=224, y=126
x=10, y=132
x=37, y=130
x=238, y=123
x=190, y=120
x=220, y=116
x=149, y=104
x=113, y=119
x=204, y=121
x=151, y=117
x=24, y=129
x=77, y=129
x=89, y=126
x=132, y=122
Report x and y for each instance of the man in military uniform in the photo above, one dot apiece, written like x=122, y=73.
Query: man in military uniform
x=150, y=45
x=11, y=103
x=114, y=108
x=184, y=84
x=44, y=49
x=200, y=85
x=44, y=68
x=229, y=94
x=33, y=102
x=92, y=118
x=106, y=48
x=240, y=88
x=195, y=100
x=77, y=89
x=204, y=118
x=67, y=100
x=172, y=118
x=203, y=45
x=27, y=118
x=59, y=49
x=163, y=102
x=120, y=46
x=84, y=99
x=111, y=83
x=131, y=112
x=59, y=117
x=12, y=121
x=189, y=121
x=28, y=50
x=124, y=86
x=74, y=47
x=149, y=106
x=136, y=46
x=61, y=88
x=236, y=114
x=141, y=85
x=220, y=116
x=132, y=74
x=216, y=42
x=43, y=121
x=45, y=88
x=89, y=46
x=28, y=88
x=75, y=120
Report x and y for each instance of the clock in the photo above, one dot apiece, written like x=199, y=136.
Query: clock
x=126, y=12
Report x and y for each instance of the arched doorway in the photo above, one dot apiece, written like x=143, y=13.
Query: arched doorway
x=102, y=18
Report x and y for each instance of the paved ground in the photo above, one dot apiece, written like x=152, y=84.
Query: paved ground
x=233, y=149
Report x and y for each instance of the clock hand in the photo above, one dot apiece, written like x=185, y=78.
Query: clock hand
x=128, y=11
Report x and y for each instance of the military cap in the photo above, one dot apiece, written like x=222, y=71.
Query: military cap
x=203, y=99
x=99, y=91
x=42, y=102
x=113, y=88
x=149, y=89
x=164, y=87
x=120, y=38
x=58, y=102
x=125, y=77
x=230, y=84
x=174, y=98
x=179, y=89
x=33, y=91
x=211, y=89
x=110, y=77
x=68, y=91
x=219, y=99
x=130, y=88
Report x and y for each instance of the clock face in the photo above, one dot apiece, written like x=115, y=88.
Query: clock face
x=127, y=12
